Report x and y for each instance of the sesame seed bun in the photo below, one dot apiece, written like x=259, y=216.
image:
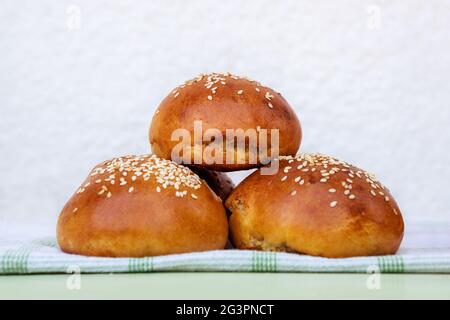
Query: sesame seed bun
x=315, y=205
x=219, y=182
x=223, y=101
x=137, y=206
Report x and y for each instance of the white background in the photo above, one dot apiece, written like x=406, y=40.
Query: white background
x=368, y=79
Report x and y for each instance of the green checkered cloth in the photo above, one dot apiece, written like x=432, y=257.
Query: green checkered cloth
x=43, y=256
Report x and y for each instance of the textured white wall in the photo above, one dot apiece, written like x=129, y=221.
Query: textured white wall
x=371, y=89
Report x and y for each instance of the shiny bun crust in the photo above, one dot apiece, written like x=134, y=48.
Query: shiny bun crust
x=219, y=182
x=224, y=101
x=137, y=206
x=315, y=205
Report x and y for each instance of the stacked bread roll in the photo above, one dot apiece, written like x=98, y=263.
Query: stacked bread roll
x=177, y=199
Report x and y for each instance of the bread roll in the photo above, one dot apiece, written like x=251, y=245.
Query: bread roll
x=315, y=205
x=138, y=206
x=221, y=101
x=219, y=182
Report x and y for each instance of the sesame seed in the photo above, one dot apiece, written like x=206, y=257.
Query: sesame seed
x=293, y=193
x=109, y=195
x=297, y=179
x=284, y=178
x=336, y=166
x=176, y=94
x=158, y=189
x=194, y=196
x=210, y=98
x=257, y=89
x=240, y=91
x=75, y=210
x=167, y=173
x=131, y=189
x=270, y=105
x=333, y=204
x=268, y=96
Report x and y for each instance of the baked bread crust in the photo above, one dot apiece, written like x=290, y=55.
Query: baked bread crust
x=315, y=205
x=138, y=206
x=223, y=101
x=218, y=181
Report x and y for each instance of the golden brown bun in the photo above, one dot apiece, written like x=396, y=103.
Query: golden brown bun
x=224, y=101
x=315, y=205
x=219, y=182
x=138, y=206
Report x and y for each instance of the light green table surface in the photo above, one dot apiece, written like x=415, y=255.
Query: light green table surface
x=226, y=286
